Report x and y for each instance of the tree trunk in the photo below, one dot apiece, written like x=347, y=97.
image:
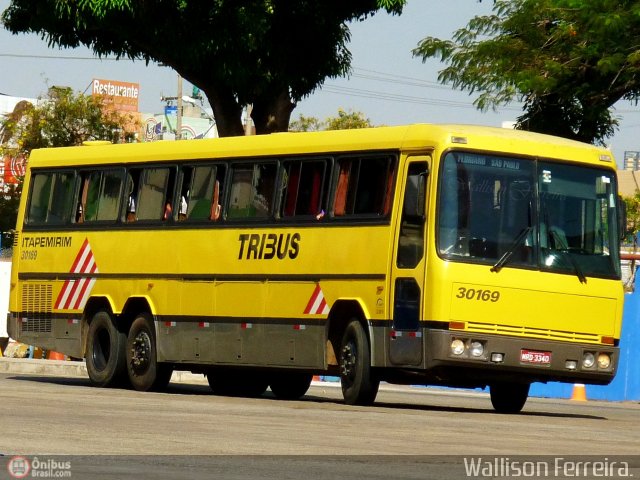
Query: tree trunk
x=271, y=113
x=226, y=111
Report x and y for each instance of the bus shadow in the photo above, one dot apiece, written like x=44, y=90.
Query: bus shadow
x=454, y=409
x=190, y=389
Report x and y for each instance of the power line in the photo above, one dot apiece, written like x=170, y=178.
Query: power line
x=378, y=95
x=55, y=57
x=393, y=78
x=329, y=88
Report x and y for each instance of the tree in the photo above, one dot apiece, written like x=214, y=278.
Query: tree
x=568, y=61
x=60, y=119
x=343, y=121
x=9, y=201
x=347, y=120
x=305, y=124
x=268, y=53
x=633, y=217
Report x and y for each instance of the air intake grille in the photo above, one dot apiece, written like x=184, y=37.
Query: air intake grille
x=36, y=308
x=543, y=333
x=16, y=237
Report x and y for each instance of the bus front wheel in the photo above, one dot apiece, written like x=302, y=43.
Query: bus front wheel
x=106, y=345
x=509, y=397
x=359, y=385
x=145, y=372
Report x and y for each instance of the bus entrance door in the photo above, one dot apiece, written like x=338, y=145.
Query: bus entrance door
x=408, y=269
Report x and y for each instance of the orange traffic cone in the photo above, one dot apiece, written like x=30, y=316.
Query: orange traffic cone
x=55, y=356
x=579, y=393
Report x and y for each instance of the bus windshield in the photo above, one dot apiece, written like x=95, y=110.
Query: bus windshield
x=530, y=214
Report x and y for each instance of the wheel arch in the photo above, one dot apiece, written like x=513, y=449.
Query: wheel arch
x=133, y=307
x=93, y=306
x=123, y=320
x=342, y=311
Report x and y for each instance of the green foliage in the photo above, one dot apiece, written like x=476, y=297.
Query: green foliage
x=633, y=215
x=9, y=201
x=569, y=61
x=343, y=121
x=268, y=53
x=62, y=119
x=305, y=124
x=347, y=120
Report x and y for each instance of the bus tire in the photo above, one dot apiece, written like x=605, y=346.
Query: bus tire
x=509, y=397
x=106, y=346
x=359, y=385
x=290, y=385
x=237, y=382
x=145, y=372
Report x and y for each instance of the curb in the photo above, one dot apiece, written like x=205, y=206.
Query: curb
x=71, y=368
x=34, y=366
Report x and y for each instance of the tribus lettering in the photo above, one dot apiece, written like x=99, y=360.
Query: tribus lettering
x=254, y=246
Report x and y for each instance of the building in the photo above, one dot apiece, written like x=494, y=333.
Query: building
x=631, y=160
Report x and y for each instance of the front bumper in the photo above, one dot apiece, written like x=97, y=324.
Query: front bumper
x=557, y=361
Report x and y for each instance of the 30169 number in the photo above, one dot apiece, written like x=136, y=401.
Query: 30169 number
x=478, y=294
x=28, y=254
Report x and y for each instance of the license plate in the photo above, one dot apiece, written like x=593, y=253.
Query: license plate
x=533, y=356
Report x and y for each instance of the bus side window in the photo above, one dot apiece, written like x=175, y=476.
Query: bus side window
x=200, y=192
x=252, y=190
x=304, y=188
x=184, y=200
x=82, y=198
x=152, y=196
x=133, y=182
x=340, y=203
x=214, y=214
x=52, y=198
x=39, y=198
x=364, y=185
x=99, y=196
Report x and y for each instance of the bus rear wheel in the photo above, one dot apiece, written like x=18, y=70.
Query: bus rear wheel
x=106, y=345
x=509, y=397
x=359, y=385
x=290, y=385
x=145, y=372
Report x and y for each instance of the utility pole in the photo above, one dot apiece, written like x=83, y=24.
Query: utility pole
x=247, y=123
x=179, y=112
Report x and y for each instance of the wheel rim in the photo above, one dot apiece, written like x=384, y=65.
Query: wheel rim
x=348, y=363
x=101, y=349
x=141, y=352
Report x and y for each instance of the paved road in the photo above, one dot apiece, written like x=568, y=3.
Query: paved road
x=50, y=415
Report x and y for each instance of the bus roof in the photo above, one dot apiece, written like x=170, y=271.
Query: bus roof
x=418, y=137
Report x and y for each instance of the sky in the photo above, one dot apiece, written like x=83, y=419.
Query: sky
x=387, y=84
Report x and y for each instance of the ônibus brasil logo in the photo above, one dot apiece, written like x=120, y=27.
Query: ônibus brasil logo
x=19, y=467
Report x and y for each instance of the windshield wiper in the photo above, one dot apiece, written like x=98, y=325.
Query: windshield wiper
x=565, y=249
x=511, y=250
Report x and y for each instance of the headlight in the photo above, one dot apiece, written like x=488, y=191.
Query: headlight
x=457, y=347
x=476, y=349
x=588, y=360
x=604, y=361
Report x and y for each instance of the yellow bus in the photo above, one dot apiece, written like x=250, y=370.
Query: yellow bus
x=449, y=255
